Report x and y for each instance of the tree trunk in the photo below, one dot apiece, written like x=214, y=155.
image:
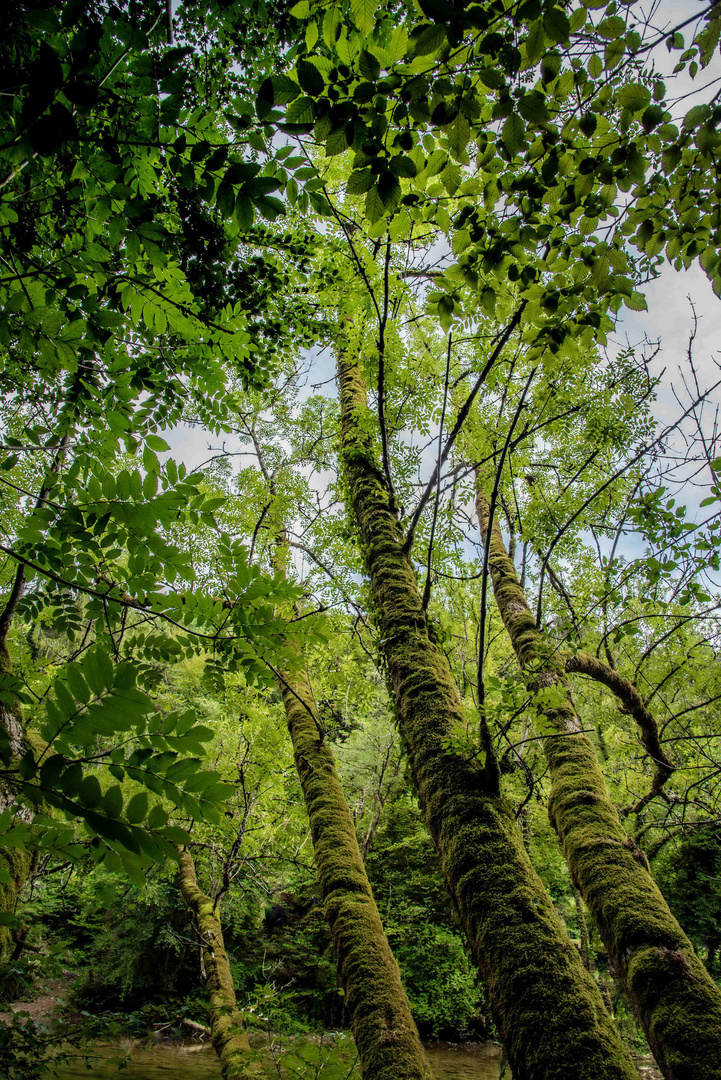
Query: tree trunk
x=677, y=1002
x=386, y=1037
x=14, y=737
x=548, y=1009
x=229, y=1040
x=17, y=862
x=583, y=931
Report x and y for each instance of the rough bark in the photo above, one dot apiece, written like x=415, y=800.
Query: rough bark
x=548, y=1009
x=673, y=995
x=227, y=1036
x=388, y=1044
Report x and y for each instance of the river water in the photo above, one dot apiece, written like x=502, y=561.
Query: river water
x=479, y=1061
x=163, y=1062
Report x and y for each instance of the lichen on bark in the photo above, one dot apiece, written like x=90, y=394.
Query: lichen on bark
x=676, y=1000
x=547, y=1007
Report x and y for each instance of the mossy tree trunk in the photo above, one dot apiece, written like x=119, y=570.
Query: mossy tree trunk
x=386, y=1037
x=677, y=1002
x=546, y=1005
x=387, y=1040
x=228, y=1038
x=15, y=862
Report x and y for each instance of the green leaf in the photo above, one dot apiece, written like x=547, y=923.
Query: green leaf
x=71, y=779
x=696, y=116
x=65, y=700
x=369, y=66
x=578, y=19
x=613, y=53
x=493, y=78
x=137, y=808
x=157, y=817
x=612, y=27
x=595, y=66
x=244, y=212
x=513, y=134
x=112, y=803
x=363, y=12
x=488, y=301
x=90, y=793
x=550, y=66
x=301, y=111
x=402, y=165
x=636, y=302
x=533, y=108
x=556, y=25
x=225, y=198
x=51, y=770
x=150, y=461
x=451, y=177
x=337, y=141
x=374, y=207
x=155, y=442
x=26, y=766
x=309, y=78
x=389, y=190
x=279, y=90
x=535, y=41
x=634, y=96
x=458, y=132
x=670, y=158
x=77, y=684
x=270, y=207
x=360, y=181
x=430, y=40
x=331, y=26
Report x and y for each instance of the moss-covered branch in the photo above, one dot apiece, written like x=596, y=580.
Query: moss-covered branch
x=548, y=1009
x=636, y=707
x=228, y=1038
x=675, y=999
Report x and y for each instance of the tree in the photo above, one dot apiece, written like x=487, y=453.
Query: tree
x=493, y=285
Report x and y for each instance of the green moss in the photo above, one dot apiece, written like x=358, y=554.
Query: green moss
x=547, y=1007
x=668, y=985
x=17, y=863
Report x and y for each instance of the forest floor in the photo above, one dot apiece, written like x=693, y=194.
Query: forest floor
x=48, y=1005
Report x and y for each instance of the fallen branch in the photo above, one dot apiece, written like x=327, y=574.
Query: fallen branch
x=202, y=1028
